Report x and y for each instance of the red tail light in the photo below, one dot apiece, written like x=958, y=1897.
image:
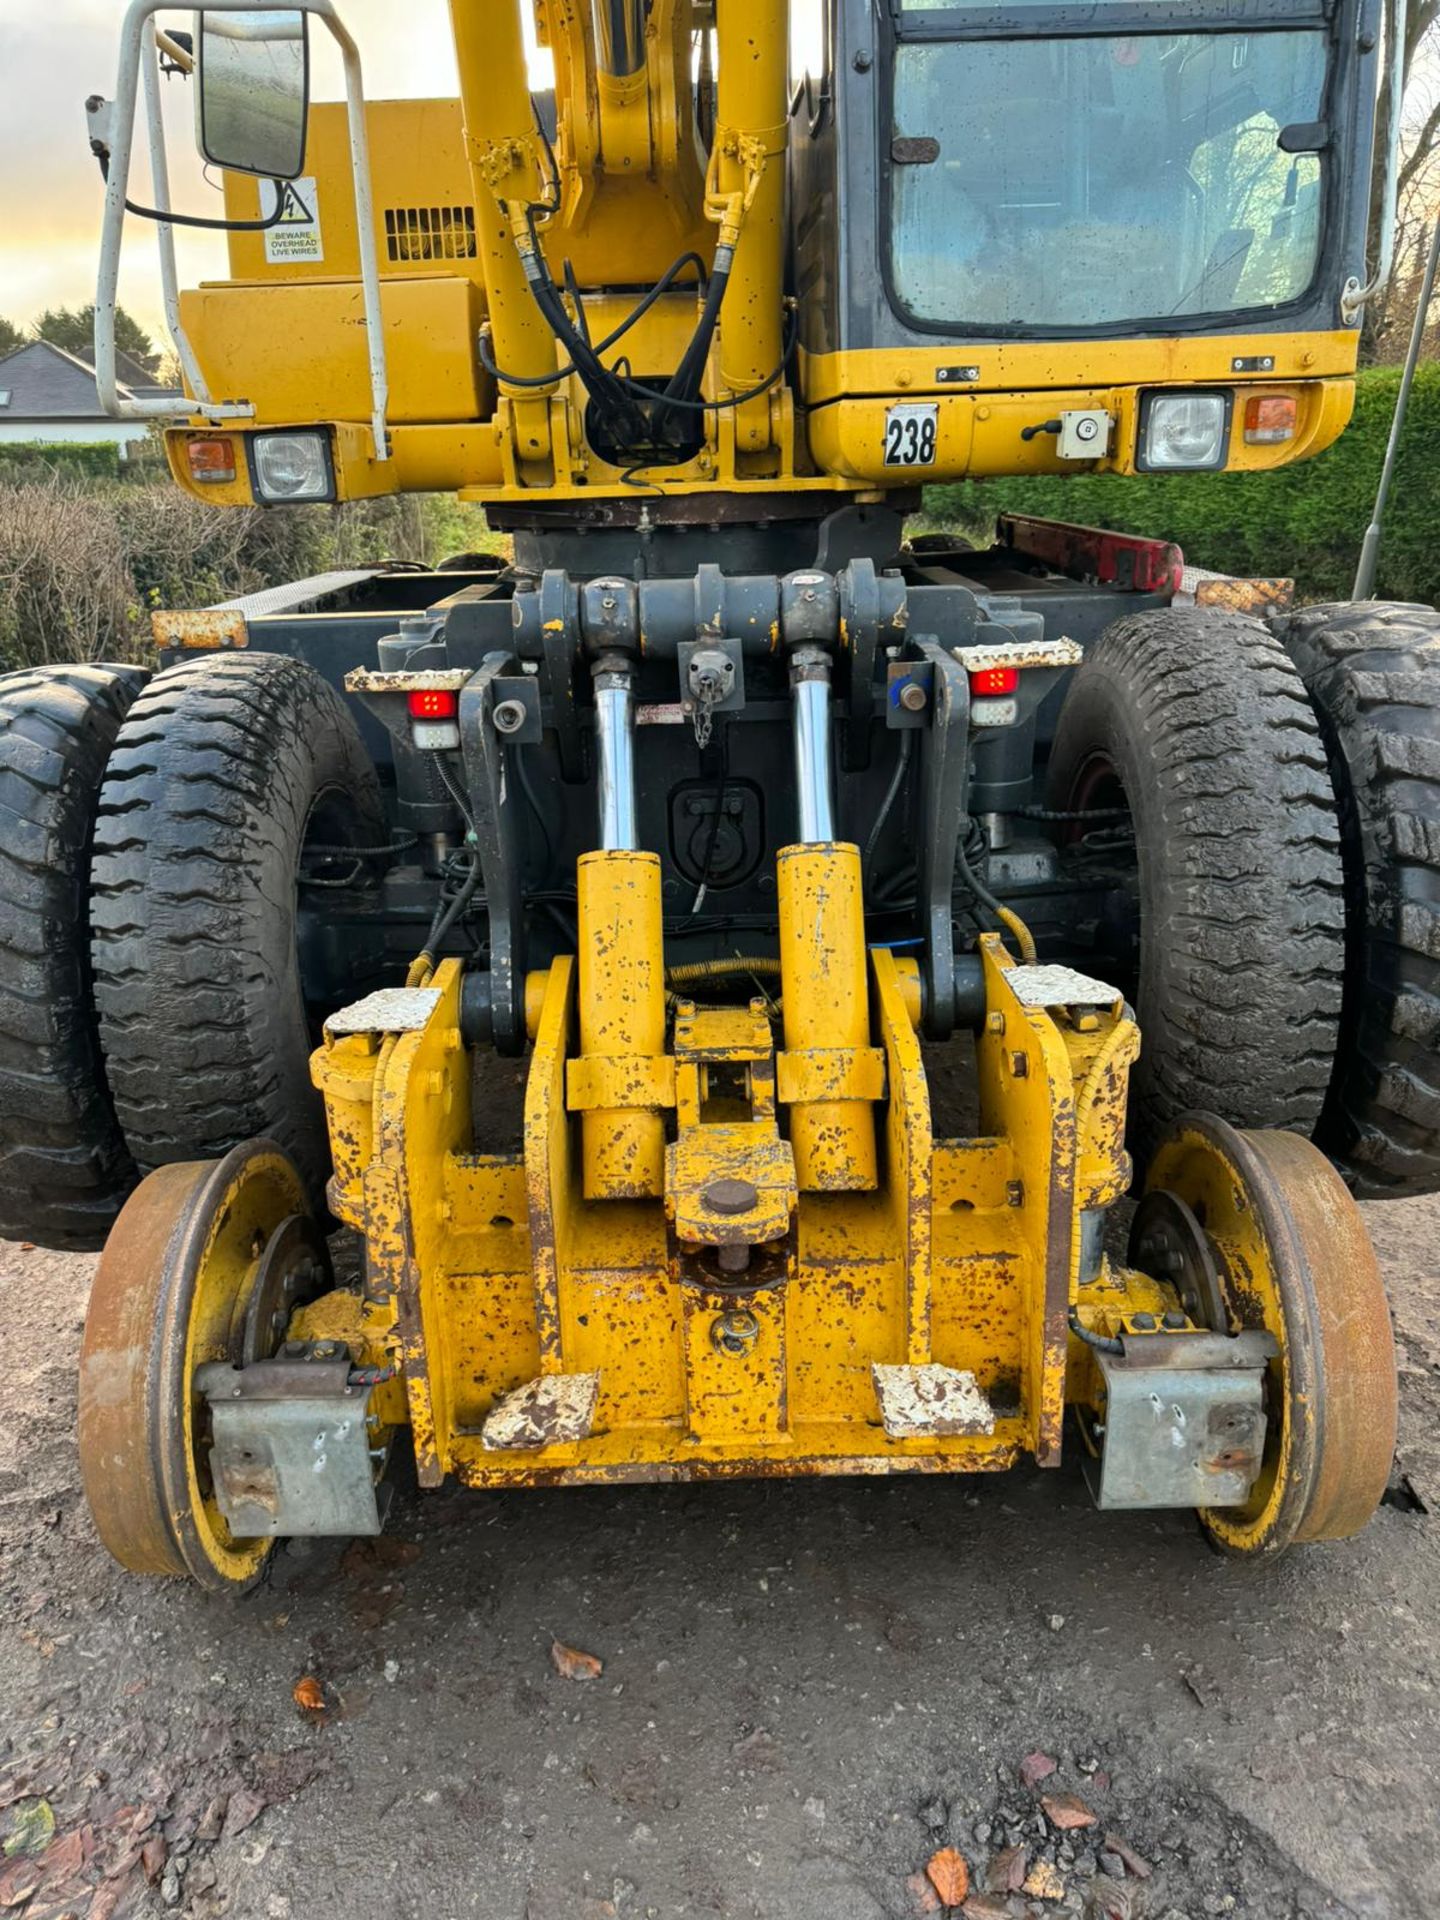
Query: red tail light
x=433, y=703
x=992, y=683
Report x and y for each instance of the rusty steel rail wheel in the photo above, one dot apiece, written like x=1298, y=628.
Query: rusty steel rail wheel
x=194, y=1245
x=1294, y=1259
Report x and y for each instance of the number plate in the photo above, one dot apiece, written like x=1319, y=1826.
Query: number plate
x=910, y=433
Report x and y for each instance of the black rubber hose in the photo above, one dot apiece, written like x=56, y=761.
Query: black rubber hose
x=1101, y=1342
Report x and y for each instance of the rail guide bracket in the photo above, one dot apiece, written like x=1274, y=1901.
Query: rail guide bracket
x=292, y=1451
x=1184, y=1420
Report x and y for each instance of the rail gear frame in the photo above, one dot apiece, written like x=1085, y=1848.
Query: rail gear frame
x=804, y=892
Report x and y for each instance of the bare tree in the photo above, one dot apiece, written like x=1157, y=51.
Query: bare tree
x=1388, y=319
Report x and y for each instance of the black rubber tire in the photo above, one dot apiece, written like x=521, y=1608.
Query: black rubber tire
x=64, y=1169
x=1205, y=721
x=222, y=769
x=1373, y=674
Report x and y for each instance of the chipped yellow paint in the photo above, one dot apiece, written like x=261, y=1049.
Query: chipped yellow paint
x=484, y=1272
x=622, y=1080
x=726, y=1132
x=826, y=1011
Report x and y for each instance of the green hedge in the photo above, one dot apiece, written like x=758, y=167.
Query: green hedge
x=1306, y=520
x=36, y=460
x=85, y=561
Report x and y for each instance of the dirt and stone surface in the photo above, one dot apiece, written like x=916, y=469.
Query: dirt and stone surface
x=808, y=1692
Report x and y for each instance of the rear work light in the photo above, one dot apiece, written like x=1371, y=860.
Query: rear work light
x=434, y=718
x=291, y=466
x=993, y=683
x=1269, y=419
x=211, y=462
x=433, y=703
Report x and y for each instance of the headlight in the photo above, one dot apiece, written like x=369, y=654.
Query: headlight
x=291, y=466
x=1185, y=432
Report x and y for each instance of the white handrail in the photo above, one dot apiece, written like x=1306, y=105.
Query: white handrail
x=1353, y=297
x=137, y=43
x=165, y=233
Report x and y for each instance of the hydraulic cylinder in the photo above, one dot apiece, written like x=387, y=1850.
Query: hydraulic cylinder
x=621, y=968
x=827, y=1070
x=622, y=1023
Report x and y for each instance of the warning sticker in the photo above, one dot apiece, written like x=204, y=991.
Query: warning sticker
x=296, y=236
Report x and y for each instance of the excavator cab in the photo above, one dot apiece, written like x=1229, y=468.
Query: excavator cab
x=726, y=961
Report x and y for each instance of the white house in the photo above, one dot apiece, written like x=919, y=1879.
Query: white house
x=48, y=395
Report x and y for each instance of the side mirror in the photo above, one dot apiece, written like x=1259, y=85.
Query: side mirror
x=254, y=91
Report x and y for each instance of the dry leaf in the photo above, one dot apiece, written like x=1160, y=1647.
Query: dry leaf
x=242, y=1810
x=1036, y=1767
x=923, y=1896
x=1067, y=1811
x=1006, y=1872
x=19, y=1881
x=1044, y=1882
x=65, y=1857
x=573, y=1664
x=309, y=1695
x=32, y=1828
x=1139, y=1866
x=949, y=1876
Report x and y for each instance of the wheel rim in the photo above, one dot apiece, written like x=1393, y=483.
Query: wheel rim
x=170, y=1294
x=1098, y=786
x=327, y=975
x=1295, y=1261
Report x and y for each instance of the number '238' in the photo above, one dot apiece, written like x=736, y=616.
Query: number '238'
x=910, y=440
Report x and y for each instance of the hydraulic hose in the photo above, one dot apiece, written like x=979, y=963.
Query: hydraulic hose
x=1011, y=921
x=763, y=966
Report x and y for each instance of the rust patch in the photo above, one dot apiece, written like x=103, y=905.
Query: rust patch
x=201, y=629
x=1245, y=596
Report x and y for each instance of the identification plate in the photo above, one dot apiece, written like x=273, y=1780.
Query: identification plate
x=910, y=433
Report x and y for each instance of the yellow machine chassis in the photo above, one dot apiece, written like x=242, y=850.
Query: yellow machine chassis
x=488, y=1272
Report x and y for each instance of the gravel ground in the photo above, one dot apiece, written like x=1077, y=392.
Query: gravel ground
x=807, y=1692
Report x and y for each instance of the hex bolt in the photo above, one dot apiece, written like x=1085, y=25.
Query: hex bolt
x=1143, y=1322
x=1014, y=1193
x=1019, y=1065
x=913, y=697
x=995, y=1022
x=1173, y=1321
x=509, y=716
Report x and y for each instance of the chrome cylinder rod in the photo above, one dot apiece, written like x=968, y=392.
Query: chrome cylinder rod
x=619, y=35
x=810, y=690
x=615, y=752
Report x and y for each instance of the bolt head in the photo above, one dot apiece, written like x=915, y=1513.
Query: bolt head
x=913, y=697
x=730, y=1196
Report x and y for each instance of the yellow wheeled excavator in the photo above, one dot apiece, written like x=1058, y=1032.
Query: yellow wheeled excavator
x=702, y=958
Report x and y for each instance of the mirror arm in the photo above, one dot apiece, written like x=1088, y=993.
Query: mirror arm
x=102, y=154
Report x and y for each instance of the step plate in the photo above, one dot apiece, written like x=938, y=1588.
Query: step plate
x=928, y=1401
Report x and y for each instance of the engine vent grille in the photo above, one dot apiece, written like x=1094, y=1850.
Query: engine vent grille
x=430, y=233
